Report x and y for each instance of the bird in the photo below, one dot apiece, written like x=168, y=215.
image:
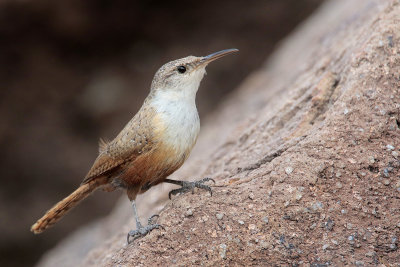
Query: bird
x=152, y=145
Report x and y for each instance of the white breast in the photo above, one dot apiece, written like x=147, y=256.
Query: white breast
x=180, y=118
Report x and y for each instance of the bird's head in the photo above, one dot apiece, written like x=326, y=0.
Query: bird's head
x=182, y=77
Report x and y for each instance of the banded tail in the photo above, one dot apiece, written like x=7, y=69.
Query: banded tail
x=61, y=208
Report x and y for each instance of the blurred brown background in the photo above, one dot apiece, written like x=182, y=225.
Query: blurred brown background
x=73, y=71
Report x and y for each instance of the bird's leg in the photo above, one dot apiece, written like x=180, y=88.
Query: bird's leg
x=141, y=230
x=187, y=186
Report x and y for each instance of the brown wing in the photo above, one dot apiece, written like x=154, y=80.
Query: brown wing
x=103, y=163
x=132, y=141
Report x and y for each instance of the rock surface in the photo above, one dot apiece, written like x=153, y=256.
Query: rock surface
x=306, y=155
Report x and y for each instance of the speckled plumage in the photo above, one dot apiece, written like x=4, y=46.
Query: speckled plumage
x=153, y=144
x=135, y=139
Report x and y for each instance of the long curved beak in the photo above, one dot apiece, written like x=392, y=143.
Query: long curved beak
x=217, y=55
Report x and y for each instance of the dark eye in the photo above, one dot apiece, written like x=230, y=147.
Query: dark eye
x=181, y=69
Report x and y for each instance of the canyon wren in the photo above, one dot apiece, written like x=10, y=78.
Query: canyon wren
x=154, y=143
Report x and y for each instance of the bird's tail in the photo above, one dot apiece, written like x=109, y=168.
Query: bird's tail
x=61, y=208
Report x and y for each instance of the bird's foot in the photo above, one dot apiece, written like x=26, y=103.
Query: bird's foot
x=187, y=186
x=143, y=230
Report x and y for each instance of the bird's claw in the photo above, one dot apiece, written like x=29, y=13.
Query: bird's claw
x=143, y=230
x=186, y=186
x=149, y=221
